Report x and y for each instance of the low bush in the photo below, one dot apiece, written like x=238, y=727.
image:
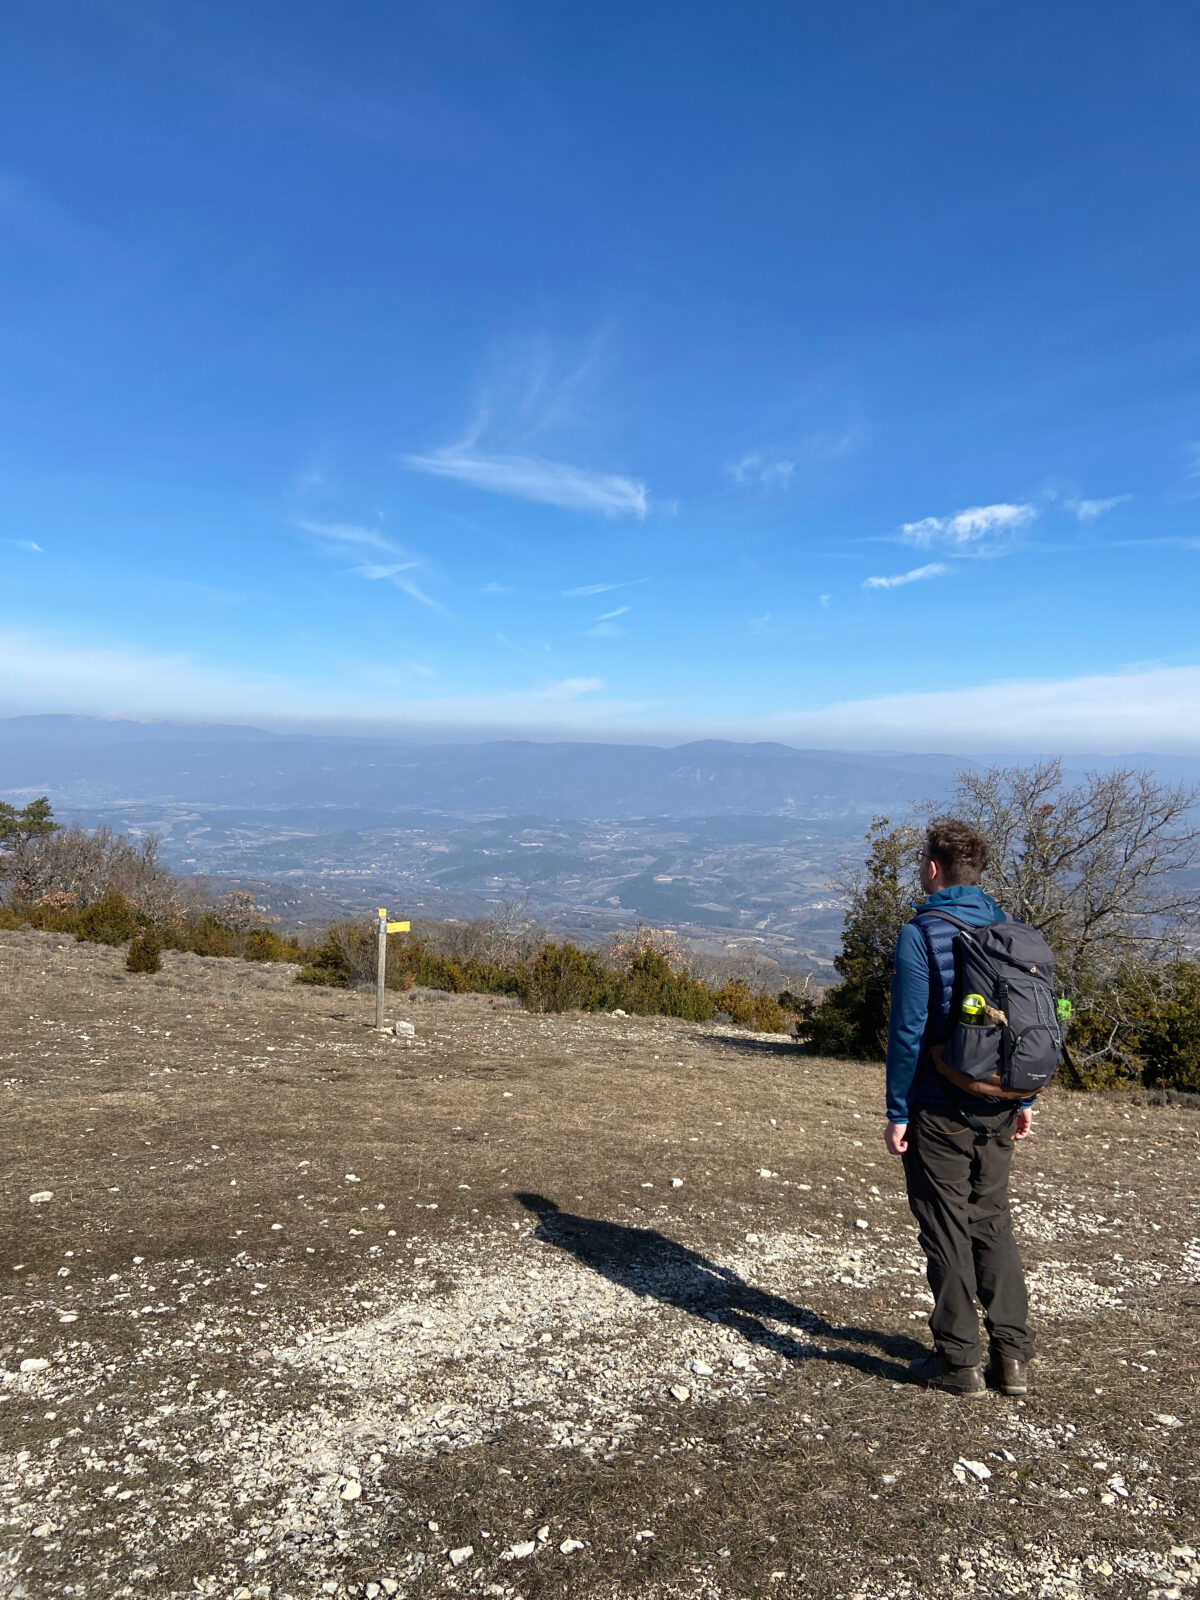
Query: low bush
x=46, y=919
x=1169, y=1038
x=749, y=1010
x=144, y=954
x=109, y=920
x=206, y=935
x=345, y=956
x=566, y=978
x=264, y=944
x=834, y=1027
x=651, y=988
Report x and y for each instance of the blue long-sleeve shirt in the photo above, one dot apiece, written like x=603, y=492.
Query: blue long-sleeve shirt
x=912, y=1080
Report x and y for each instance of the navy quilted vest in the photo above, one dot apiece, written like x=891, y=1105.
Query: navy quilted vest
x=939, y=936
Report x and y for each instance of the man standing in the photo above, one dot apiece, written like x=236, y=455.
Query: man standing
x=956, y=1147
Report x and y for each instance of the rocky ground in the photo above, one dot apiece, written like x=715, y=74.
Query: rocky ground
x=529, y=1306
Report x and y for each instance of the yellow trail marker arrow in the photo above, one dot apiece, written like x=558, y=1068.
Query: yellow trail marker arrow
x=399, y=927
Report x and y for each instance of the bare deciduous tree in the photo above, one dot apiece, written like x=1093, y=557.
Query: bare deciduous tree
x=1095, y=866
x=1099, y=866
x=239, y=912
x=509, y=934
x=631, y=943
x=77, y=866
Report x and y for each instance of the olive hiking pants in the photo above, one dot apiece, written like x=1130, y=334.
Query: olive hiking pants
x=957, y=1179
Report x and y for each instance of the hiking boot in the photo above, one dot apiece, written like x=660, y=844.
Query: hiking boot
x=935, y=1372
x=1008, y=1374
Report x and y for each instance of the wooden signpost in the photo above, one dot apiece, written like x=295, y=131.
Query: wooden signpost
x=385, y=927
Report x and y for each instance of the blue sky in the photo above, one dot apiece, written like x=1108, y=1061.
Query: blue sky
x=827, y=374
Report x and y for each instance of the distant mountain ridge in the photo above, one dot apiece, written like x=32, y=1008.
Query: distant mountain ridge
x=68, y=730
x=98, y=761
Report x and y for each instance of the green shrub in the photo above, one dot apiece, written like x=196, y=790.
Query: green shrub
x=208, y=936
x=769, y=1016
x=264, y=944
x=411, y=961
x=566, y=978
x=749, y=1010
x=51, y=918
x=348, y=955
x=313, y=972
x=834, y=1026
x=1169, y=1040
x=558, y=978
x=651, y=988
x=327, y=963
x=489, y=977
x=799, y=1005
x=144, y=955
x=109, y=921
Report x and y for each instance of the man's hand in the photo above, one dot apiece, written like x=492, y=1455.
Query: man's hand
x=1024, y=1125
x=894, y=1138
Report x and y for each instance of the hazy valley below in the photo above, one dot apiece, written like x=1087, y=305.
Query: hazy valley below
x=732, y=844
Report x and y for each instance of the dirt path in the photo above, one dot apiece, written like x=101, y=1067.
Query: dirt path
x=620, y=1305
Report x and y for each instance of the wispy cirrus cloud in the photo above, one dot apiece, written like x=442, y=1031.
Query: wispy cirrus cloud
x=340, y=534
x=532, y=477
x=606, y=625
x=349, y=538
x=836, y=444
x=534, y=420
x=935, y=569
x=767, y=467
x=586, y=589
x=767, y=625
x=29, y=545
x=393, y=572
x=965, y=531
x=1089, y=510
x=759, y=467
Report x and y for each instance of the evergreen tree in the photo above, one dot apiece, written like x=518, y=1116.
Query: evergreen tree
x=30, y=822
x=852, y=1017
x=144, y=955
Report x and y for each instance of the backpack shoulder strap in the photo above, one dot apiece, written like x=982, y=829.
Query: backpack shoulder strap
x=944, y=916
x=963, y=927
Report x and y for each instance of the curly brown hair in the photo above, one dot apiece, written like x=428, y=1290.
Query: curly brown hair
x=961, y=853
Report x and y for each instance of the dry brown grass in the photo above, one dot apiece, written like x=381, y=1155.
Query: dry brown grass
x=205, y=1120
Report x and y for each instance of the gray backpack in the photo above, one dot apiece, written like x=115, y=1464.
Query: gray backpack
x=1005, y=1038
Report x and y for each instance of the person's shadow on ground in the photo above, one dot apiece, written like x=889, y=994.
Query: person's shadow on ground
x=650, y=1264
